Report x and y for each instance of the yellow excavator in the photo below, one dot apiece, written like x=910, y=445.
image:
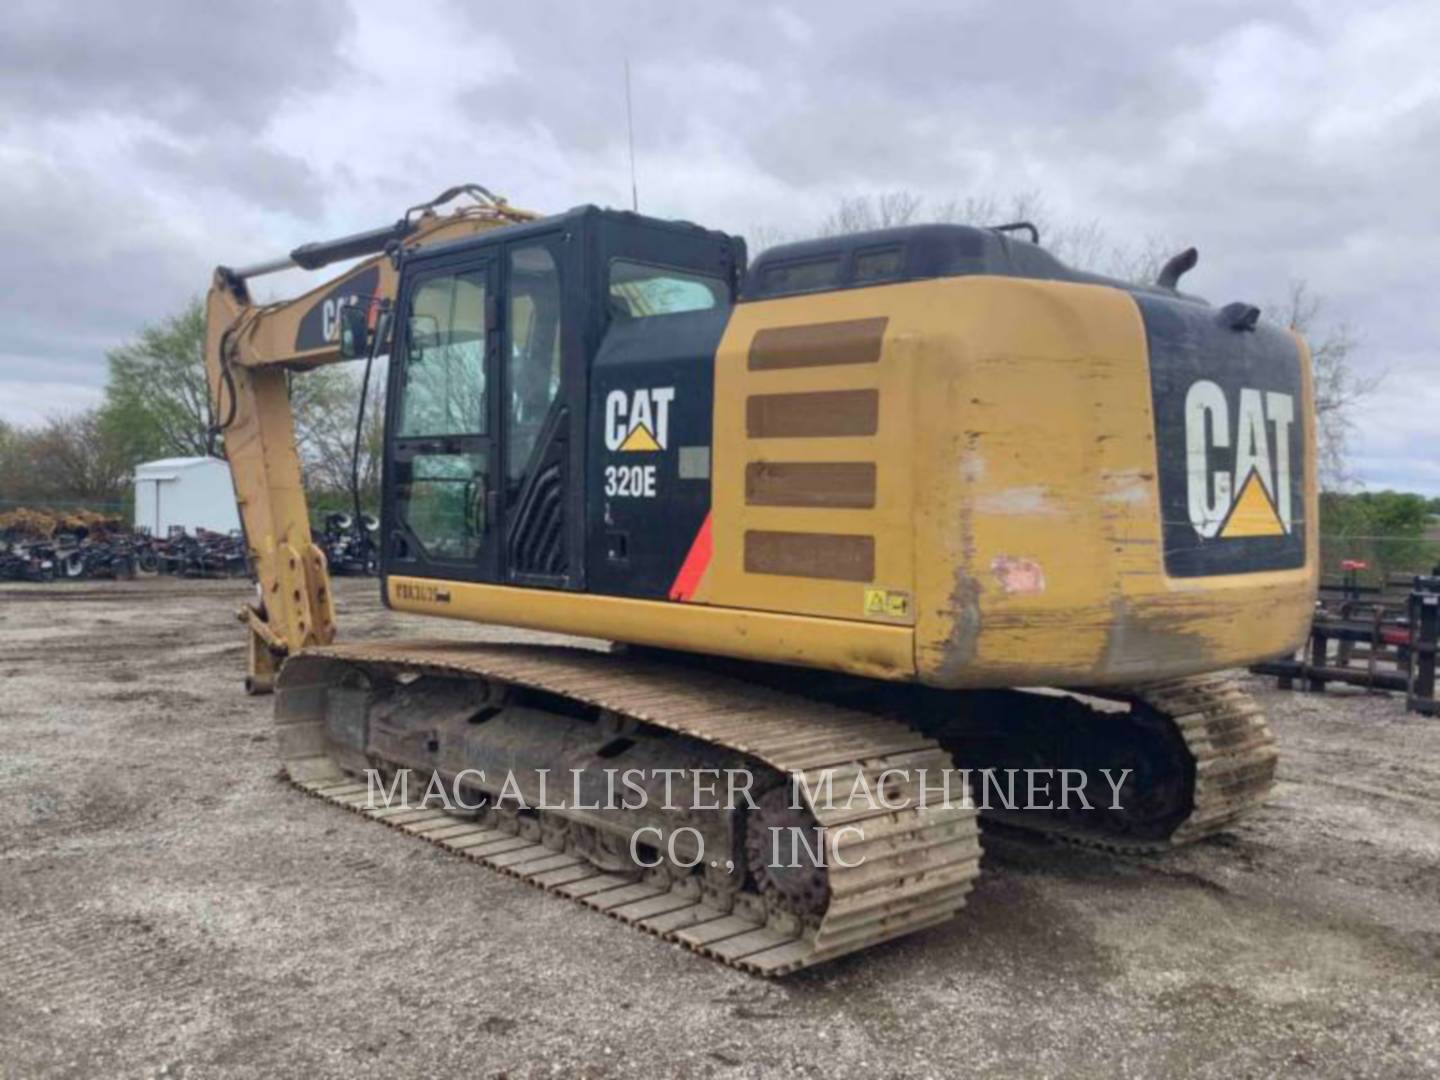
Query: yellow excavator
x=871, y=510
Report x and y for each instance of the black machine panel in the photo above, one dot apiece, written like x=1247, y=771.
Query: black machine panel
x=667, y=289
x=1230, y=438
x=651, y=409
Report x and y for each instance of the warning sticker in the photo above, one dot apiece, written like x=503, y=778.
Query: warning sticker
x=886, y=604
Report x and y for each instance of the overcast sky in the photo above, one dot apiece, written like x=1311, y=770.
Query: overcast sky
x=142, y=143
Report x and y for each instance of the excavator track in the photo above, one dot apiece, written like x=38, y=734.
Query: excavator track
x=1219, y=765
x=1234, y=750
x=1199, y=747
x=919, y=861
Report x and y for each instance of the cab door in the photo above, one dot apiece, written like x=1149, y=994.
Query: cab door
x=543, y=388
x=445, y=480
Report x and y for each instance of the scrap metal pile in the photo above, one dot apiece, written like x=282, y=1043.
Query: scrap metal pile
x=42, y=546
x=350, y=549
x=37, y=545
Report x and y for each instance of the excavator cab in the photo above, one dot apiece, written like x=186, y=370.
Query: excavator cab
x=497, y=340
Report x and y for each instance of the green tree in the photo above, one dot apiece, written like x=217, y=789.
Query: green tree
x=157, y=402
x=1384, y=529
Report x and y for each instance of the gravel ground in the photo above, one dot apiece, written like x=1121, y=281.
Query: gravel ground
x=169, y=907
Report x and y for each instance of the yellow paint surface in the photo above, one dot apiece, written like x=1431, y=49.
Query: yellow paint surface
x=1016, y=497
x=878, y=650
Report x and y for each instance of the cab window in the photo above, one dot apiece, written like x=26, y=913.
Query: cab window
x=444, y=390
x=441, y=484
x=639, y=290
x=877, y=264
x=533, y=356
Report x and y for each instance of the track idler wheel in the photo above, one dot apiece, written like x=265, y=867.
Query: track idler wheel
x=1157, y=793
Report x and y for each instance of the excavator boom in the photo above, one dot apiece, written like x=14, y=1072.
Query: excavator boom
x=251, y=350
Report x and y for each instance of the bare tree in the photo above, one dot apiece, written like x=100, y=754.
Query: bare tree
x=1339, y=388
x=12, y=463
x=861, y=213
x=73, y=457
x=763, y=235
x=325, y=404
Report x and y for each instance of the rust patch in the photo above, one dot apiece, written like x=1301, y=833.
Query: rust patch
x=958, y=648
x=1018, y=577
x=816, y=415
x=834, y=556
x=843, y=485
x=853, y=341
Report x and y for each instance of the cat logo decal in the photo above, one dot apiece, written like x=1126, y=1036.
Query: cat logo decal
x=638, y=421
x=1238, y=462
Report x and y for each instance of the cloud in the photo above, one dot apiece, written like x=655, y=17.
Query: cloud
x=1399, y=423
x=32, y=402
x=139, y=147
x=272, y=179
x=187, y=65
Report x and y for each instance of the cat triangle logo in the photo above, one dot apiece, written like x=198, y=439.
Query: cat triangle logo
x=639, y=439
x=1252, y=513
x=639, y=419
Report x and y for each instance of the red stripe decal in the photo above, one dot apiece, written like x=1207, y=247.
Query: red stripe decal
x=695, y=564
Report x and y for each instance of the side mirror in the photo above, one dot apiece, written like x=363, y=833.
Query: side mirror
x=354, y=332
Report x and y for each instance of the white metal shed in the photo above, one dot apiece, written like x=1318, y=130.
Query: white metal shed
x=193, y=492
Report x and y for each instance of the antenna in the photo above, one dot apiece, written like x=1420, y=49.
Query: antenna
x=630, y=133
